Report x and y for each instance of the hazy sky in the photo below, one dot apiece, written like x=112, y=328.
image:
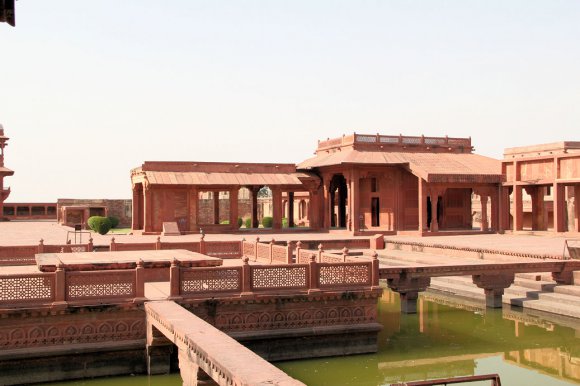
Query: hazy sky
x=91, y=89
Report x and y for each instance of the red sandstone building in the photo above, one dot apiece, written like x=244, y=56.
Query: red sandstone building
x=357, y=183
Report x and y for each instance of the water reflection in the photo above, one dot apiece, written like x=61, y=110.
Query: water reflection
x=449, y=338
x=446, y=338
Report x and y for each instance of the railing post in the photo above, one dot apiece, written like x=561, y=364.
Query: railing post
x=202, y=244
x=40, y=248
x=344, y=254
x=158, y=244
x=271, y=252
x=289, y=248
x=314, y=275
x=174, y=280
x=90, y=245
x=256, y=248
x=246, y=278
x=375, y=270
x=59, y=286
x=298, y=248
x=113, y=247
x=320, y=252
x=139, y=282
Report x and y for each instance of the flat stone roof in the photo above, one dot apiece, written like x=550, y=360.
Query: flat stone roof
x=542, y=149
x=92, y=261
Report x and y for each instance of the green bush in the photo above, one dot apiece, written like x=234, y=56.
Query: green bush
x=248, y=223
x=240, y=222
x=225, y=222
x=267, y=222
x=284, y=222
x=114, y=221
x=99, y=224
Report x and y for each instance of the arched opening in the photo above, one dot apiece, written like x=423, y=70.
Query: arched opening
x=338, y=200
x=265, y=209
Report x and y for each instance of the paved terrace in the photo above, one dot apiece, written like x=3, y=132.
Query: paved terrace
x=29, y=233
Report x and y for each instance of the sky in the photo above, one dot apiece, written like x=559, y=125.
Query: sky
x=91, y=89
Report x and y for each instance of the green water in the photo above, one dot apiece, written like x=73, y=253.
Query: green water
x=439, y=341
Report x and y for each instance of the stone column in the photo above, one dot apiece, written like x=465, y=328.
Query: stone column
x=434, y=200
x=326, y=201
x=408, y=289
x=276, y=207
x=313, y=210
x=577, y=208
x=193, y=209
x=216, y=207
x=495, y=205
x=518, y=209
x=234, y=208
x=354, y=201
x=290, y=209
x=559, y=207
x=135, y=209
x=255, y=190
x=493, y=286
x=422, y=210
x=483, y=199
x=147, y=209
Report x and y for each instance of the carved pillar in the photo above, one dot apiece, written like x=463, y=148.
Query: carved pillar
x=518, y=209
x=355, y=201
x=193, y=209
x=559, y=207
x=313, y=209
x=495, y=205
x=290, y=209
x=255, y=190
x=422, y=205
x=216, y=207
x=276, y=207
x=188, y=369
x=326, y=201
x=493, y=286
x=134, y=209
x=234, y=208
x=147, y=208
x=434, y=201
x=577, y=208
x=483, y=199
x=408, y=288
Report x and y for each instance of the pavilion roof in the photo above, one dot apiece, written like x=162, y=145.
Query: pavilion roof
x=6, y=171
x=432, y=167
x=226, y=178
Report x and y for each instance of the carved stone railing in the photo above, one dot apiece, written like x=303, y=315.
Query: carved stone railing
x=63, y=288
x=25, y=254
x=394, y=140
x=27, y=289
x=267, y=252
x=216, y=282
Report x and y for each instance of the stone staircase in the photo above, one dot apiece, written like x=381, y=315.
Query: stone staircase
x=534, y=291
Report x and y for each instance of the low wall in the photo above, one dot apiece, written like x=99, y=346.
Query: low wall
x=451, y=251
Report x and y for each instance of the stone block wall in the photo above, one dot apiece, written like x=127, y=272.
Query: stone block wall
x=122, y=209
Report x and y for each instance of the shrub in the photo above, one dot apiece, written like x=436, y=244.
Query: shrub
x=99, y=224
x=248, y=223
x=225, y=222
x=284, y=222
x=267, y=222
x=114, y=221
x=240, y=222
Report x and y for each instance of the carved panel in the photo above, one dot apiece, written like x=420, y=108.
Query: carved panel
x=27, y=288
x=204, y=280
x=263, y=252
x=248, y=249
x=277, y=277
x=345, y=275
x=223, y=249
x=100, y=284
x=279, y=253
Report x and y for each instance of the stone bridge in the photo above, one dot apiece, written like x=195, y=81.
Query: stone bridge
x=204, y=351
x=493, y=278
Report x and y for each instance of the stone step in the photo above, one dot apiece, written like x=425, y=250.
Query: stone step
x=548, y=297
x=573, y=290
x=538, y=276
x=546, y=286
x=541, y=305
